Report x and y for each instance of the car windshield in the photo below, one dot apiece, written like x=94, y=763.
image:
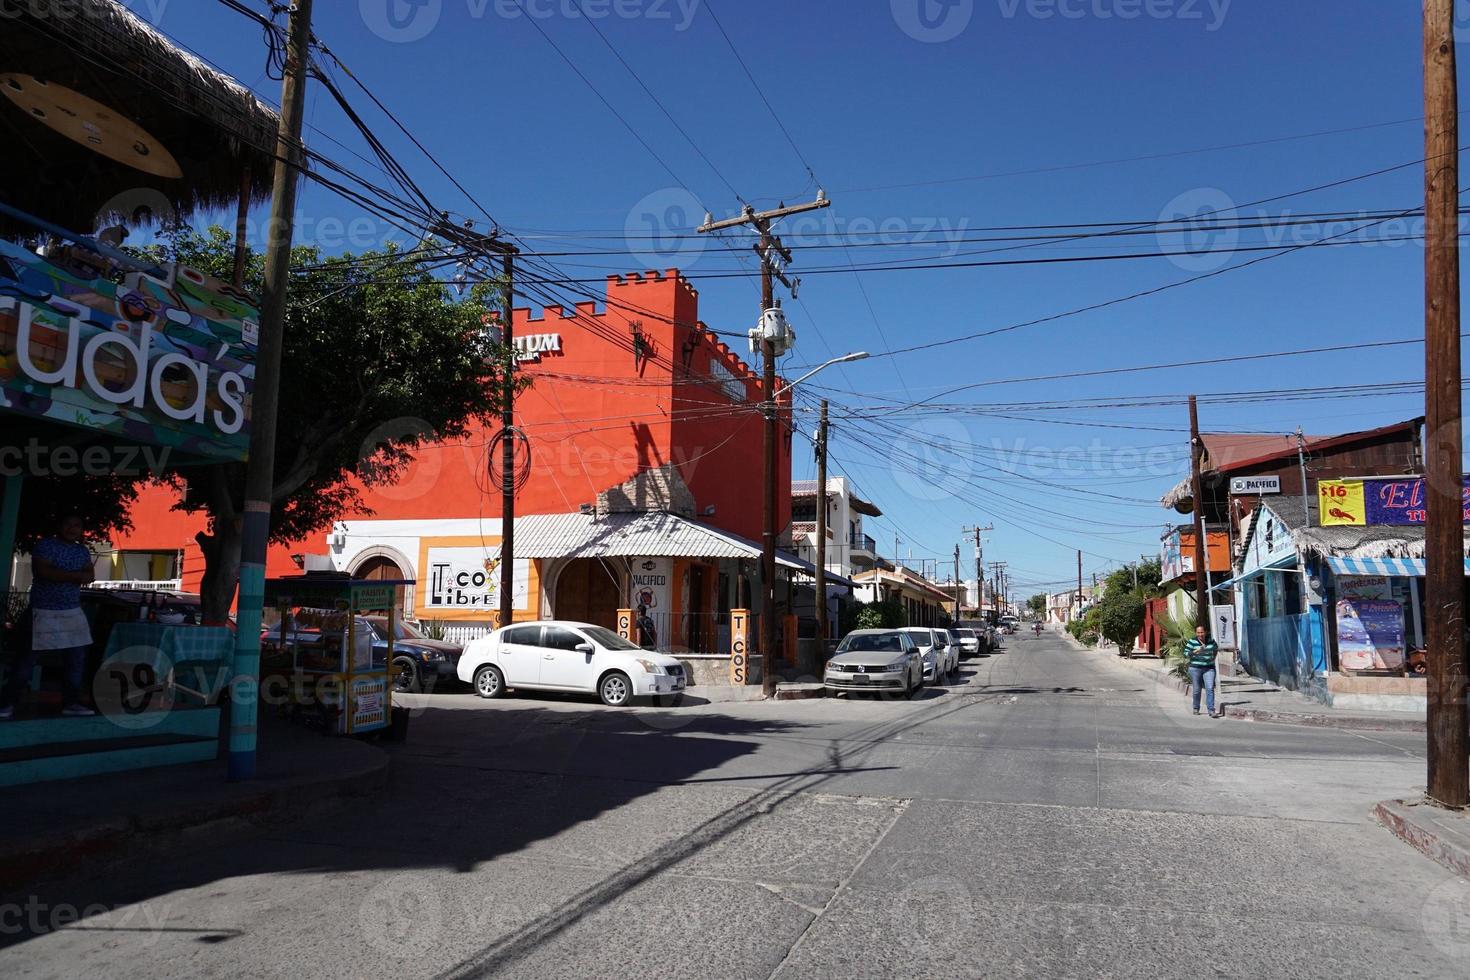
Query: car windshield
x=401, y=630
x=872, y=643
x=967, y=634
x=607, y=639
x=922, y=637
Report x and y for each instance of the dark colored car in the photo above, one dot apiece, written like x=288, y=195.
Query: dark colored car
x=420, y=663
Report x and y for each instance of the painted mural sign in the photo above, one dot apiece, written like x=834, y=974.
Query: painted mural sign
x=163, y=359
x=651, y=584
x=1370, y=634
x=465, y=579
x=1376, y=501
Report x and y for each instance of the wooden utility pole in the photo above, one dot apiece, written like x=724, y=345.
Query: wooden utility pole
x=1444, y=559
x=821, y=447
x=959, y=587
x=979, y=565
x=1201, y=558
x=769, y=249
x=265, y=398
x=508, y=445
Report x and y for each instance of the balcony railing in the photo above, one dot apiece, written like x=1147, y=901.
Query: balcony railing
x=863, y=542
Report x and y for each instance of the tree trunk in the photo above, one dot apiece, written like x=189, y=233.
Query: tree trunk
x=221, y=571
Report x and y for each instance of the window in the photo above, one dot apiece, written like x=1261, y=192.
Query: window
x=560, y=638
x=804, y=510
x=527, y=635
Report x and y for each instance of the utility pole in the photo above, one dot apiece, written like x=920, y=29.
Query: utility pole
x=774, y=340
x=821, y=447
x=979, y=564
x=1201, y=561
x=265, y=399
x=959, y=587
x=1449, y=773
x=1079, y=582
x=508, y=445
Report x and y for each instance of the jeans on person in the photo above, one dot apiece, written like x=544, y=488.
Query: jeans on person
x=74, y=661
x=1202, y=677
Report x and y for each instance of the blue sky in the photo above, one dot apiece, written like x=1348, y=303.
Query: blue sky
x=978, y=88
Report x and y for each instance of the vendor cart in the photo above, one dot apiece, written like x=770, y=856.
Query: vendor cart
x=322, y=662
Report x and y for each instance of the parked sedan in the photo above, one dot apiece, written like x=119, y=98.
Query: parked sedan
x=949, y=644
x=969, y=641
x=575, y=657
x=421, y=662
x=935, y=660
x=876, y=660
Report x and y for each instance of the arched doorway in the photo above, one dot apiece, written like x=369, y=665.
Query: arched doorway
x=589, y=590
x=384, y=568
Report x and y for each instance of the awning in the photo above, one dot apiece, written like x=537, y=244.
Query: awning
x=654, y=534
x=1275, y=566
x=1404, y=567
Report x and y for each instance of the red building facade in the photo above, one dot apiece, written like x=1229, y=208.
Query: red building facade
x=634, y=408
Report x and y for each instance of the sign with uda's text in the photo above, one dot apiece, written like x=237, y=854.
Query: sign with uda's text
x=1255, y=484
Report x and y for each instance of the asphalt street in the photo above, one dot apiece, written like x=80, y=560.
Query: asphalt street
x=1048, y=813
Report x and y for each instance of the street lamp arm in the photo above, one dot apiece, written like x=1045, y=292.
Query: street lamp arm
x=845, y=358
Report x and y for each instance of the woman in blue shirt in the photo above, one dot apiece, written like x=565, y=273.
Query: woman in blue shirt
x=61, y=565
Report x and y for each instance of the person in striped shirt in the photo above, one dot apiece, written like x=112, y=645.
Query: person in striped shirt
x=1201, y=652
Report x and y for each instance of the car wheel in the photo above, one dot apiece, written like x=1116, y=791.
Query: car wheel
x=615, y=689
x=406, y=676
x=489, y=683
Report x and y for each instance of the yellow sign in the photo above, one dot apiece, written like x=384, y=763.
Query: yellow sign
x=1340, y=503
x=739, y=646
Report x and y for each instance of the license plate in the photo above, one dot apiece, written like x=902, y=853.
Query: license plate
x=860, y=678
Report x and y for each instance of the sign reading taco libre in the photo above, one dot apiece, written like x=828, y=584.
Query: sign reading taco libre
x=1378, y=501
x=167, y=361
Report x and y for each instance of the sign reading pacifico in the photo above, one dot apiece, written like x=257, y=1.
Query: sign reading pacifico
x=164, y=360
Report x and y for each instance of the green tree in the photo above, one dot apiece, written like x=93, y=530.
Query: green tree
x=379, y=358
x=1037, y=605
x=886, y=615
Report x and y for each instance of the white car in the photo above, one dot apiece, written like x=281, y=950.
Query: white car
x=576, y=657
x=950, y=644
x=936, y=660
x=969, y=641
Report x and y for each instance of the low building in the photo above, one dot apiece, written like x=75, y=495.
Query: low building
x=923, y=602
x=849, y=549
x=1333, y=607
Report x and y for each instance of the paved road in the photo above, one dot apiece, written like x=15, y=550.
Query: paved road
x=1050, y=814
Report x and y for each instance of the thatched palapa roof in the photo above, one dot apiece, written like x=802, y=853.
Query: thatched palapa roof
x=211, y=124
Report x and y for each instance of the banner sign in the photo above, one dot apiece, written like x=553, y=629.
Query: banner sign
x=166, y=361
x=469, y=578
x=1255, y=484
x=1377, y=501
x=1370, y=634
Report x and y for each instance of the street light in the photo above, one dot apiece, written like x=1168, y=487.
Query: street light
x=844, y=359
x=768, y=542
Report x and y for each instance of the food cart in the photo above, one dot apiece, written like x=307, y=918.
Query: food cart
x=322, y=662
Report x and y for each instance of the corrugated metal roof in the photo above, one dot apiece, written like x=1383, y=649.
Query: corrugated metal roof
x=655, y=534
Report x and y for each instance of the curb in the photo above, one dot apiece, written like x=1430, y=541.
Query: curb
x=800, y=693
x=1441, y=835
x=1304, y=719
x=163, y=829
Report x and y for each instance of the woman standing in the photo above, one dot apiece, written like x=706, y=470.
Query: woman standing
x=61, y=565
x=1201, y=652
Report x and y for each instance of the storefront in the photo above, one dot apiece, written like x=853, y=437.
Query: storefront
x=1332, y=590
x=110, y=364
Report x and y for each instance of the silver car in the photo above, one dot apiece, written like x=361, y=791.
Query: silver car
x=876, y=660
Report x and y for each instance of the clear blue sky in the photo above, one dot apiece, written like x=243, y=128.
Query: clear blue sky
x=871, y=106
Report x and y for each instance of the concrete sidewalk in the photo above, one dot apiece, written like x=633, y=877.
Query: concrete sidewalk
x=1249, y=699
x=1441, y=835
x=47, y=828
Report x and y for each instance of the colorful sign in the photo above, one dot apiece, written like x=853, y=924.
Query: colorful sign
x=650, y=582
x=739, y=646
x=1370, y=634
x=469, y=578
x=1378, y=502
x=368, y=703
x=166, y=361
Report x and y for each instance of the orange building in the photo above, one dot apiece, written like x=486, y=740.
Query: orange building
x=645, y=438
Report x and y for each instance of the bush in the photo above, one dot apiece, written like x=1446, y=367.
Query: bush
x=878, y=616
x=1120, y=618
x=1177, y=632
